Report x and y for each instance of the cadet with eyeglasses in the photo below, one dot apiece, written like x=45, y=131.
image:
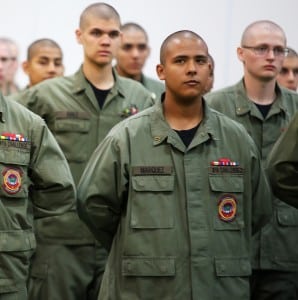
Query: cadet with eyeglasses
x=265, y=109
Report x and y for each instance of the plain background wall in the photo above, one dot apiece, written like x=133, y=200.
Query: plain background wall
x=219, y=22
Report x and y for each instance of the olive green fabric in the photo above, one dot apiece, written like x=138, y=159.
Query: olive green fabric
x=279, y=238
x=71, y=111
x=283, y=165
x=36, y=187
x=154, y=86
x=159, y=203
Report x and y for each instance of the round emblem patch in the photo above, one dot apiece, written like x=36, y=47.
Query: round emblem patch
x=227, y=208
x=12, y=180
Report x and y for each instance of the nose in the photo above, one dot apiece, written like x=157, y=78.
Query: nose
x=270, y=54
x=191, y=66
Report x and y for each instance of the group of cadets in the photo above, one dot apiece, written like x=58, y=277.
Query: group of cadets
x=118, y=186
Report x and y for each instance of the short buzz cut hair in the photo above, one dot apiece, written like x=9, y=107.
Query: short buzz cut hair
x=177, y=34
x=44, y=42
x=270, y=25
x=100, y=10
x=131, y=25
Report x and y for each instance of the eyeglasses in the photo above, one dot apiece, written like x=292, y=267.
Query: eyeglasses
x=264, y=50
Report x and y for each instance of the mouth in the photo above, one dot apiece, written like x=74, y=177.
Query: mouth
x=269, y=68
x=192, y=82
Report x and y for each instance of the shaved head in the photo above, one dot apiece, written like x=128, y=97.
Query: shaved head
x=99, y=10
x=175, y=37
x=254, y=27
x=41, y=43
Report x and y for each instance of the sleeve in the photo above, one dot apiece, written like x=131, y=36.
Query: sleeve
x=262, y=194
x=282, y=165
x=52, y=190
x=102, y=190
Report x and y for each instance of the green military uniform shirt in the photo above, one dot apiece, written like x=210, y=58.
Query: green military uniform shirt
x=283, y=165
x=156, y=87
x=178, y=221
x=279, y=239
x=71, y=111
x=36, y=187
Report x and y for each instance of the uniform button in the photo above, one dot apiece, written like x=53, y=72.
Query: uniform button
x=129, y=267
x=141, y=182
x=163, y=268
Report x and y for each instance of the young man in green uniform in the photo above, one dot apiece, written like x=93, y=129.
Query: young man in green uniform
x=265, y=110
x=178, y=204
x=80, y=110
x=283, y=165
x=36, y=190
x=132, y=55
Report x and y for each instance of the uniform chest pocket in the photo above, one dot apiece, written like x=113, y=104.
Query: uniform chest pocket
x=152, y=202
x=71, y=131
x=13, y=172
x=227, y=199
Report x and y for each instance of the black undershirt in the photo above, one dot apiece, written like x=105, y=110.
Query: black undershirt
x=100, y=95
x=187, y=135
x=264, y=109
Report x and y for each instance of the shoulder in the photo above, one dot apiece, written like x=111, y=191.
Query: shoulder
x=21, y=113
x=227, y=92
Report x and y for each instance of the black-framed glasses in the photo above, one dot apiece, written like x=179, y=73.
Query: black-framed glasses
x=264, y=50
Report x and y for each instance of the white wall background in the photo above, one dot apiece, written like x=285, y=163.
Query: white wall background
x=219, y=22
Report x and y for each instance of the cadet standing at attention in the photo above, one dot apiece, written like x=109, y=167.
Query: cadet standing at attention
x=265, y=109
x=178, y=204
x=36, y=190
x=131, y=57
x=283, y=165
x=80, y=110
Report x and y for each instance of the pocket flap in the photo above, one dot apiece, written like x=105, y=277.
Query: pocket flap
x=73, y=125
x=149, y=266
x=226, y=183
x=288, y=217
x=153, y=183
x=232, y=267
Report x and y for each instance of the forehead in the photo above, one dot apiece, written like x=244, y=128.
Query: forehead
x=4, y=50
x=100, y=23
x=133, y=36
x=47, y=51
x=265, y=34
x=186, y=46
x=291, y=62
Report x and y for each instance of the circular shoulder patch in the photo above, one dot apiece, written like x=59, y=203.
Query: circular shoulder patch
x=227, y=208
x=12, y=180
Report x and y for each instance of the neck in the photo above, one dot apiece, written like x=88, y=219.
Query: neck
x=100, y=76
x=260, y=92
x=122, y=73
x=183, y=116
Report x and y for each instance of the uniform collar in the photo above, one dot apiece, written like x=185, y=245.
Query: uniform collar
x=81, y=83
x=161, y=130
x=245, y=105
